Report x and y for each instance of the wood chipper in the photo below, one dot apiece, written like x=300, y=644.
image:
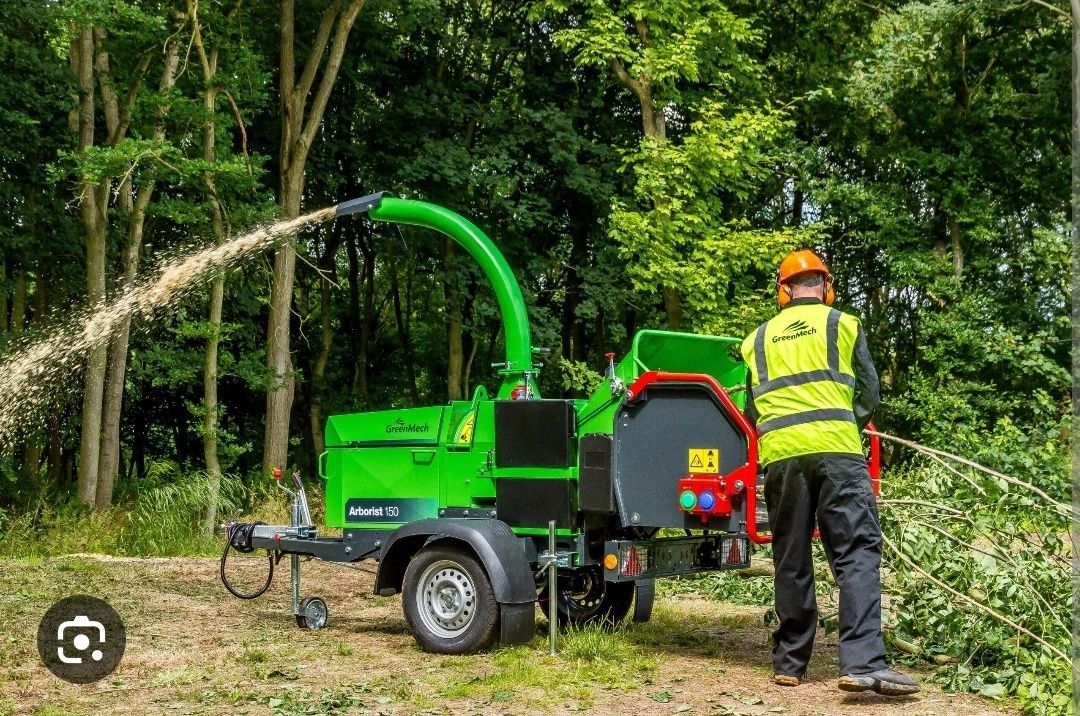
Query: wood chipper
x=478, y=509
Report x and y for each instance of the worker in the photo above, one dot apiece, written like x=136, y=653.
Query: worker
x=811, y=389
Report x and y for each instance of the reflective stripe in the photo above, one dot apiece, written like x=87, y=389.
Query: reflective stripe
x=810, y=376
x=761, y=365
x=807, y=416
x=832, y=340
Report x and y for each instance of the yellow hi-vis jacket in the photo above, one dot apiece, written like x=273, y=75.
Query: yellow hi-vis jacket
x=802, y=382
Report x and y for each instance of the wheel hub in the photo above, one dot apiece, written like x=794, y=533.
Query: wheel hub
x=447, y=598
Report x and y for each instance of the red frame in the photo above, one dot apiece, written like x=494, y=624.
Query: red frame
x=747, y=472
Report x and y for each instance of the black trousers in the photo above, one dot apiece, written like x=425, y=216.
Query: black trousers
x=833, y=489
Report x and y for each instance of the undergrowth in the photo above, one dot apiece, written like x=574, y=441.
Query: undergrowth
x=979, y=568
x=160, y=516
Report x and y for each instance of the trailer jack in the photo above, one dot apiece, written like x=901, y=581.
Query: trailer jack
x=310, y=613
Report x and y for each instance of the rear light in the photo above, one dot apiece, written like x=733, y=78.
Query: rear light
x=736, y=552
x=633, y=561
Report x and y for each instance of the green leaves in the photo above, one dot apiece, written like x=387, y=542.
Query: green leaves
x=1000, y=549
x=660, y=44
x=678, y=232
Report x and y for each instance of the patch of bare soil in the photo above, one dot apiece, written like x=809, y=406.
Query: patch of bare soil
x=192, y=648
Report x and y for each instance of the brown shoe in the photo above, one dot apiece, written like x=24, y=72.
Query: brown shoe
x=785, y=680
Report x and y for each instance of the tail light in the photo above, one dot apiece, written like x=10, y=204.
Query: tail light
x=633, y=561
x=736, y=552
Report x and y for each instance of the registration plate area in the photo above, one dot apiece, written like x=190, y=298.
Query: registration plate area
x=672, y=556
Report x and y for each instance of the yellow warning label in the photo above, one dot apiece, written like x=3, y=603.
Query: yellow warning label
x=704, y=460
x=465, y=430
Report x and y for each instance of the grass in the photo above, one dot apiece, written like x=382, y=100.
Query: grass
x=194, y=651
x=163, y=517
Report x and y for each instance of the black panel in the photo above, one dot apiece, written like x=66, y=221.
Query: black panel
x=652, y=440
x=595, y=493
x=534, y=433
x=533, y=502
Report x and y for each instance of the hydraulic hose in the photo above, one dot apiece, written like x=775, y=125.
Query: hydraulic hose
x=239, y=539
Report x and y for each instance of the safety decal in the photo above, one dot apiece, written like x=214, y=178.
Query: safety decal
x=704, y=460
x=465, y=430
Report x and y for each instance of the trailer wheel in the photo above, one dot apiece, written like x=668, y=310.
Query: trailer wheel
x=448, y=601
x=313, y=614
x=591, y=600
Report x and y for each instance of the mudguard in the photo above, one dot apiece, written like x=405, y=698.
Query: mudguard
x=499, y=550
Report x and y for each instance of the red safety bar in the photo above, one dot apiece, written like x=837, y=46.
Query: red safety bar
x=748, y=472
x=874, y=463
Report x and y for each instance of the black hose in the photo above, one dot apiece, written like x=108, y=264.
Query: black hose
x=243, y=546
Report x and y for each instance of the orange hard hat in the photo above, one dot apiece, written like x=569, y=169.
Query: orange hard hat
x=801, y=262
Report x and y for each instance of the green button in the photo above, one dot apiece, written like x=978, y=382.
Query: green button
x=687, y=500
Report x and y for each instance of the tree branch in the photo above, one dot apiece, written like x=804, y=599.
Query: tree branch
x=286, y=50
x=239, y=125
x=314, y=58
x=1059, y=507
x=333, y=64
x=978, y=605
x=110, y=105
x=132, y=94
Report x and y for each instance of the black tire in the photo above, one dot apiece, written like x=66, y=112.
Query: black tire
x=606, y=603
x=313, y=614
x=448, y=601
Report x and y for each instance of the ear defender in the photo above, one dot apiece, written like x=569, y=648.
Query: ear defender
x=783, y=292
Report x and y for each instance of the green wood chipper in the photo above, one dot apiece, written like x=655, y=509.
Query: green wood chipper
x=478, y=509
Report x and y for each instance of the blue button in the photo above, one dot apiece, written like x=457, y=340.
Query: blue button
x=707, y=500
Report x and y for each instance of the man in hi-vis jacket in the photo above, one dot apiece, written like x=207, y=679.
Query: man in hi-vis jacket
x=812, y=388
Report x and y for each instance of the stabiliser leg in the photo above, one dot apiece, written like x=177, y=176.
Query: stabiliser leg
x=294, y=577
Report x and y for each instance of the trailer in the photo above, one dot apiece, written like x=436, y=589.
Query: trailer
x=477, y=510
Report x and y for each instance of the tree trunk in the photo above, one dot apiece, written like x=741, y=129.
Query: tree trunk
x=282, y=384
x=654, y=126
x=318, y=369
x=673, y=307
x=454, y=338
x=367, y=320
x=18, y=303
x=466, y=372
x=209, y=62
x=326, y=340
x=1075, y=5
x=3, y=298
x=92, y=215
x=401, y=320
x=352, y=308
x=299, y=124
x=955, y=236
x=134, y=205
x=35, y=445
x=210, y=404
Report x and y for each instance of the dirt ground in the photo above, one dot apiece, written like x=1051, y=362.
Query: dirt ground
x=192, y=648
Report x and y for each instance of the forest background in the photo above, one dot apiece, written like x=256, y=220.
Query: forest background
x=641, y=164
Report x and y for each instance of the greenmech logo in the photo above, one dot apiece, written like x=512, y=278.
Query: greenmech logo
x=795, y=329
x=400, y=426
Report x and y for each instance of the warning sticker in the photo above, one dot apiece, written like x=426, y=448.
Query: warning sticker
x=465, y=430
x=704, y=460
